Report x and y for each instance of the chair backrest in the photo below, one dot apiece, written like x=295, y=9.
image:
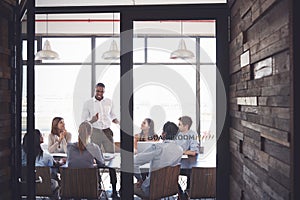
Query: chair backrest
x=79, y=183
x=164, y=182
x=203, y=183
x=43, y=181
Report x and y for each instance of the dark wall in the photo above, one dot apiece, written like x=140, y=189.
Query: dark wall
x=6, y=55
x=260, y=99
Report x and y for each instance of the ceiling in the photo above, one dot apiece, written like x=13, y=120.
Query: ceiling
x=57, y=3
x=104, y=23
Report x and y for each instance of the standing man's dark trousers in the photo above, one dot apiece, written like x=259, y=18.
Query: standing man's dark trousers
x=104, y=138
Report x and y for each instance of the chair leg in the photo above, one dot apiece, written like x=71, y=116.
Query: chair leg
x=178, y=194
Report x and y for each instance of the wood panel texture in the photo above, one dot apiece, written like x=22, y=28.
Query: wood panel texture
x=6, y=17
x=259, y=96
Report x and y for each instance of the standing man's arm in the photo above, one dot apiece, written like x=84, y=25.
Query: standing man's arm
x=116, y=121
x=85, y=112
x=113, y=116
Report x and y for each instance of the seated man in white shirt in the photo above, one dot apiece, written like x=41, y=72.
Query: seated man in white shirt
x=187, y=139
x=159, y=155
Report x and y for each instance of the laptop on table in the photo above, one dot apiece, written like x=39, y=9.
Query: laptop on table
x=141, y=146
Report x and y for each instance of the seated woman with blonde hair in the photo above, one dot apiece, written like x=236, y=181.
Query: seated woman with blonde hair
x=84, y=154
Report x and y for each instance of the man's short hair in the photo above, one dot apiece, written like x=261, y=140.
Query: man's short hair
x=171, y=130
x=100, y=85
x=186, y=120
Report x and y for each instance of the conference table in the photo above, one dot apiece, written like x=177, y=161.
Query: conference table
x=187, y=162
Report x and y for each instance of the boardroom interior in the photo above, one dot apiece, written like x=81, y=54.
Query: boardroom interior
x=234, y=76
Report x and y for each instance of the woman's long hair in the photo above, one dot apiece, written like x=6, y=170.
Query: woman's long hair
x=54, y=128
x=38, y=152
x=85, y=131
x=151, y=132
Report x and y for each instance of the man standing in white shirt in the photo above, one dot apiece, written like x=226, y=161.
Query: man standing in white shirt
x=102, y=134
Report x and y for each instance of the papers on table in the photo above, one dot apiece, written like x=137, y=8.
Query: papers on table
x=184, y=156
x=108, y=156
x=61, y=155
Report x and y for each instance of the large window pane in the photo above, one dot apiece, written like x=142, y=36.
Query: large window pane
x=54, y=91
x=208, y=110
x=159, y=49
x=208, y=50
x=70, y=49
x=103, y=45
x=139, y=50
x=164, y=94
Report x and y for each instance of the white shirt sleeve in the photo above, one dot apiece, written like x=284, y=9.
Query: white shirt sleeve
x=112, y=114
x=85, y=112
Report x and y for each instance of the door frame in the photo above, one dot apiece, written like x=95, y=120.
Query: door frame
x=129, y=14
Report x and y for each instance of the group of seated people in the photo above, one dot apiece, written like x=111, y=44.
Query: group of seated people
x=81, y=154
x=177, y=141
x=84, y=154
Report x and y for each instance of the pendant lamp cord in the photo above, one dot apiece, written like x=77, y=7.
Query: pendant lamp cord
x=113, y=24
x=181, y=27
x=47, y=25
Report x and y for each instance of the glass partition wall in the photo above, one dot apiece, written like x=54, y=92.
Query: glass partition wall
x=59, y=84
x=143, y=82
x=62, y=85
x=177, y=78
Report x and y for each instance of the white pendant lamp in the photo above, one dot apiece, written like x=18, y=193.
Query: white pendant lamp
x=113, y=53
x=182, y=52
x=46, y=53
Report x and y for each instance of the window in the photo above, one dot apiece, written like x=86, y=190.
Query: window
x=70, y=49
x=164, y=88
x=163, y=93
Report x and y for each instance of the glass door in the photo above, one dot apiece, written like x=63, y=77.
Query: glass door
x=178, y=72
x=154, y=82
x=174, y=77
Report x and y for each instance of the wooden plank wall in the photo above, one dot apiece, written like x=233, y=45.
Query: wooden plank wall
x=260, y=99
x=6, y=22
